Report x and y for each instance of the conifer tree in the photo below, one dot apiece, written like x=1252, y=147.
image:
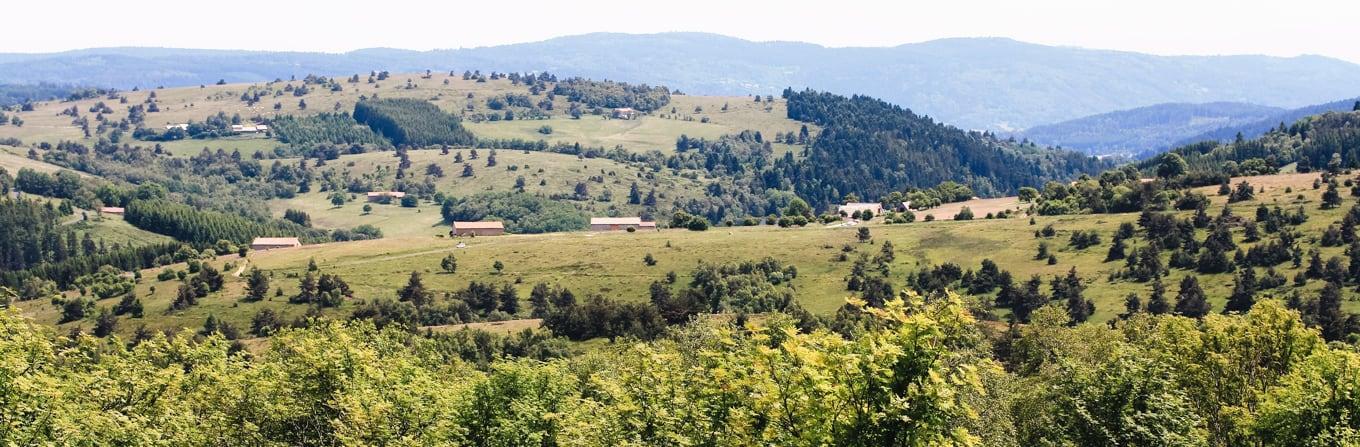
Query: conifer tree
x=414, y=291
x=1190, y=301
x=1244, y=292
x=257, y=285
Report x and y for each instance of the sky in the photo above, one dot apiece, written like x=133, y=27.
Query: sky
x=1167, y=27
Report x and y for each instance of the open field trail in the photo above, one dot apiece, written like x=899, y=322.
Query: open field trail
x=242, y=268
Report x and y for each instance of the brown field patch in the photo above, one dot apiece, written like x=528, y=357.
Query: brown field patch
x=980, y=208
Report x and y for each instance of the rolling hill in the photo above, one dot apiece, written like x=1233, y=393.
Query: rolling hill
x=982, y=83
x=1145, y=129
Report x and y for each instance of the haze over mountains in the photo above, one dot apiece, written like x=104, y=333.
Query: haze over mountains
x=1146, y=131
x=977, y=83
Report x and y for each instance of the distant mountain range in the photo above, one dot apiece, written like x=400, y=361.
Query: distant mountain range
x=1146, y=131
x=975, y=83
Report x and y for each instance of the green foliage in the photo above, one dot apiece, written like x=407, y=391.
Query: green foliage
x=186, y=224
x=1312, y=142
x=906, y=152
x=108, y=282
x=521, y=213
x=608, y=94
x=449, y=264
x=411, y=122
x=325, y=128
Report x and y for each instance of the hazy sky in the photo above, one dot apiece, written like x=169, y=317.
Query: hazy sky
x=1325, y=27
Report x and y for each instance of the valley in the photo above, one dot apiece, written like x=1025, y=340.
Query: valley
x=471, y=257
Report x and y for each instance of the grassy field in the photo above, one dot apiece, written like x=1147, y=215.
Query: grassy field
x=113, y=230
x=14, y=158
x=179, y=105
x=611, y=263
x=559, y=174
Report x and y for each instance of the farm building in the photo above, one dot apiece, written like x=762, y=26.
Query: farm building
x=181, y=126
x=853, y=208
x=249, y=128
x=270, y=243
x=478, y=228
x=111, y=210
x=619, y=223
x=625, y=113
x=382, y=196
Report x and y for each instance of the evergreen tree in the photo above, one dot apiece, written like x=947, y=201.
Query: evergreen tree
x=1330, y=319
x=634, y=195
x=1079, y=309
x=1132, y=306
x=211, y=277
x=1030, y=299
x=509, y=300
x=1116, y=251
x=257, y=285
x=308, y=292
x=105, y=322
x=1190, y=301
x=1157, y=302
x=540, y=301
x=1331, y=198
x=184, y=298
x=415, y=292
x=1244, y=292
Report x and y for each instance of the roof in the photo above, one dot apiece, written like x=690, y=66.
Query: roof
x=483, y=225
x=624, y=109
x=276, y=241
x=110, y=209
x=387, y=193
x=861, y=206
x=616, y=221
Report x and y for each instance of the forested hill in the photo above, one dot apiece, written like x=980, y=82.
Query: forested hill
x=870, y=148
x=982, y=83
x=1312, y=142
x=1260, y=127
x=1147, y=130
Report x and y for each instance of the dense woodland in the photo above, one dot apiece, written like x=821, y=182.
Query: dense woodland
x=324, y=128
x=411, y=122
x=189, y=225
x=870, y=148
x=1314, y=143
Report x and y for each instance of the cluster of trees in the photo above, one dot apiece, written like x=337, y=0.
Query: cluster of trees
x=325, y=128
x=200, y=227
x=63, y=185
x=19, y=94
x=1258, y=378
x=611, y=94
x=1322, y=142
x=32, y=234
x=521, y=213
x=871, y=148
x=412, y=122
